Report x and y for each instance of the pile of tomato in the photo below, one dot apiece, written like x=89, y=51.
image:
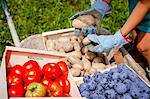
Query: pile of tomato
x=32, y=81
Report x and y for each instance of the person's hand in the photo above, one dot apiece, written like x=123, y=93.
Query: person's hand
x=99, y=9
x=85, y=30
x=107, y=42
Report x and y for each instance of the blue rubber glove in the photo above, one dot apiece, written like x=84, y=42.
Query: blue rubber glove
x=106, y=42
x=98, y=10
x=100, y=6
x=85, y=30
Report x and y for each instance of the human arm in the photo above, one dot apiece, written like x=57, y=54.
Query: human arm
x=99, y=7
x=98, y=10
x=115, y=40
x=137, y=15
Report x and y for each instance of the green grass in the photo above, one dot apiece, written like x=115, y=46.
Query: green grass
x=36, y=16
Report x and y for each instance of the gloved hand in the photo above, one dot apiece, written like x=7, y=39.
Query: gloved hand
x=85, y=30
x=99, y=8
x=107, y=42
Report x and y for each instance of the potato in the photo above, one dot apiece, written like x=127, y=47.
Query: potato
x=98, y=60
x=113, y=64
x=90, y=55
x=58, y=46
x=78, y=66
x=84, y=50
x=67, y=46
x=89, y=19
x=92, y=71
x=50, y=45
x=86, y=63
x=76, y=38
x=68, y=64
x=86, y=41
x=100, y=70
x=75, y=72
x=81, y=37
x=99, y=66
x=76, y=23
x=74, y=60
x=83, y=21
x=76, y=45
x=86, y=73
x=100, y=55
x=75, y=53
x=82, y=73
x=107, y=66
x=63, y=39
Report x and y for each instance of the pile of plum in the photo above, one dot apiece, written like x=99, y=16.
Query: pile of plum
x=118, y=83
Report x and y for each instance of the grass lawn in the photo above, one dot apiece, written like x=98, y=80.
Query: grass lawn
x=36, y=16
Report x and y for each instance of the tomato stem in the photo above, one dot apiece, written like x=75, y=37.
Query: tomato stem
x=50, y=91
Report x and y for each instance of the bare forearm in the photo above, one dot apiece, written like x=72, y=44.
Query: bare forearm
x=136, y=16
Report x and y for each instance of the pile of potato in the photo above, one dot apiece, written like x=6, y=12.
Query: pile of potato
x=81, y=61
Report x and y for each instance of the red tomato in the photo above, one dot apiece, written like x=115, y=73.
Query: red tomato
x=31, y=64
x=17, y=69
x=14, y=79
x=51, y=70
x=25, y=87
x=31, y=76
x=45, y=82
x=64, y=83
x=16, y=91
x=54, y=90
x=63, y=66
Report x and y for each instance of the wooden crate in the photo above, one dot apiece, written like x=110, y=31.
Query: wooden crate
x=126, y=57
x=13, y=56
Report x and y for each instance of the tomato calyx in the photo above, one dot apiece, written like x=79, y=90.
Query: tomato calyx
x=64, y=83
x=55, y=90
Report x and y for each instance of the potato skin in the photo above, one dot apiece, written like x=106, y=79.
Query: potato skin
x=74, y=60
x=84, y=50
x=78, y=66
x=75, y=72
x=99, y=66
x=86, y=63
x=78, y=24
x=76, y=45
x=69, y=46
x=90, y=55
x=75, y=53
x=98, y=60
x=92, y=71
x=83, y=21
x=86, y=41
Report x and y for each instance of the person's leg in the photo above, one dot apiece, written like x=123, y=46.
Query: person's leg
x=137, y=56
x=143, y=46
